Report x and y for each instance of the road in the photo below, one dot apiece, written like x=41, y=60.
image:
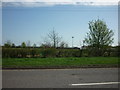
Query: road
x=61, y=78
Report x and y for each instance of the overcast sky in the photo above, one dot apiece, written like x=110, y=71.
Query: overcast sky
x=23, y=21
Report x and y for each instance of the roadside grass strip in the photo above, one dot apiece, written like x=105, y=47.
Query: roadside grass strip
x=59, y=62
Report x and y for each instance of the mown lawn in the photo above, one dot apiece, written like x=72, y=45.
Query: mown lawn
x=71, y=61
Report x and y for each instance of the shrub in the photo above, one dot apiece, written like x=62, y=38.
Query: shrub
x=48, y=52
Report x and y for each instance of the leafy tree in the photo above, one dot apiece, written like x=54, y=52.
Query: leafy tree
x=23, y=45
x=34, y=45
x=13, y=45
x=8, y=44
x=99, y=37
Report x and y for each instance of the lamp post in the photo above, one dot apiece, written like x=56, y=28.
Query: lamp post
x=72, y=41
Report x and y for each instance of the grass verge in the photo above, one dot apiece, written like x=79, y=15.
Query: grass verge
x=59, y=62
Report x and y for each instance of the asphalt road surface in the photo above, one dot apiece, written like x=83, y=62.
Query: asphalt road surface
x=61, y=78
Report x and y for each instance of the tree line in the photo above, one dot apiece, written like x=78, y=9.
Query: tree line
x=52, y=40
x=98, y=42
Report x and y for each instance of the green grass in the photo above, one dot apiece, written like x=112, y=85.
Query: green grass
x=37, y=62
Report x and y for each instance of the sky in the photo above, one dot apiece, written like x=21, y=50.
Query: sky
x=32, y=22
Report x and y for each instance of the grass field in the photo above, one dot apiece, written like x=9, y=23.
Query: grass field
x=45, y=62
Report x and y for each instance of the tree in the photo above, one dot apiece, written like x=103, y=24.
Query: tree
x=46, y=43
x=28, y=43
x=54, y=37
x=8, y=44
x=34, y=45
x=13, y=45
x=23, y=45
x=63, y=44
x=118, y=43
x=99, y=36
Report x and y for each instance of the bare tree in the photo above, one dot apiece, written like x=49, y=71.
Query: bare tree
x=63, y=44
x=46, y=42
x=58, y=41
x=28, y=43
x=54, y=38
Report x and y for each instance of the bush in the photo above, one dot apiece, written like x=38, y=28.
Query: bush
x=52, y=52
x=48, y=52
x=68, y=53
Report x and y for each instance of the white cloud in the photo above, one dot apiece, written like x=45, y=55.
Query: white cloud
x=37, y=3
